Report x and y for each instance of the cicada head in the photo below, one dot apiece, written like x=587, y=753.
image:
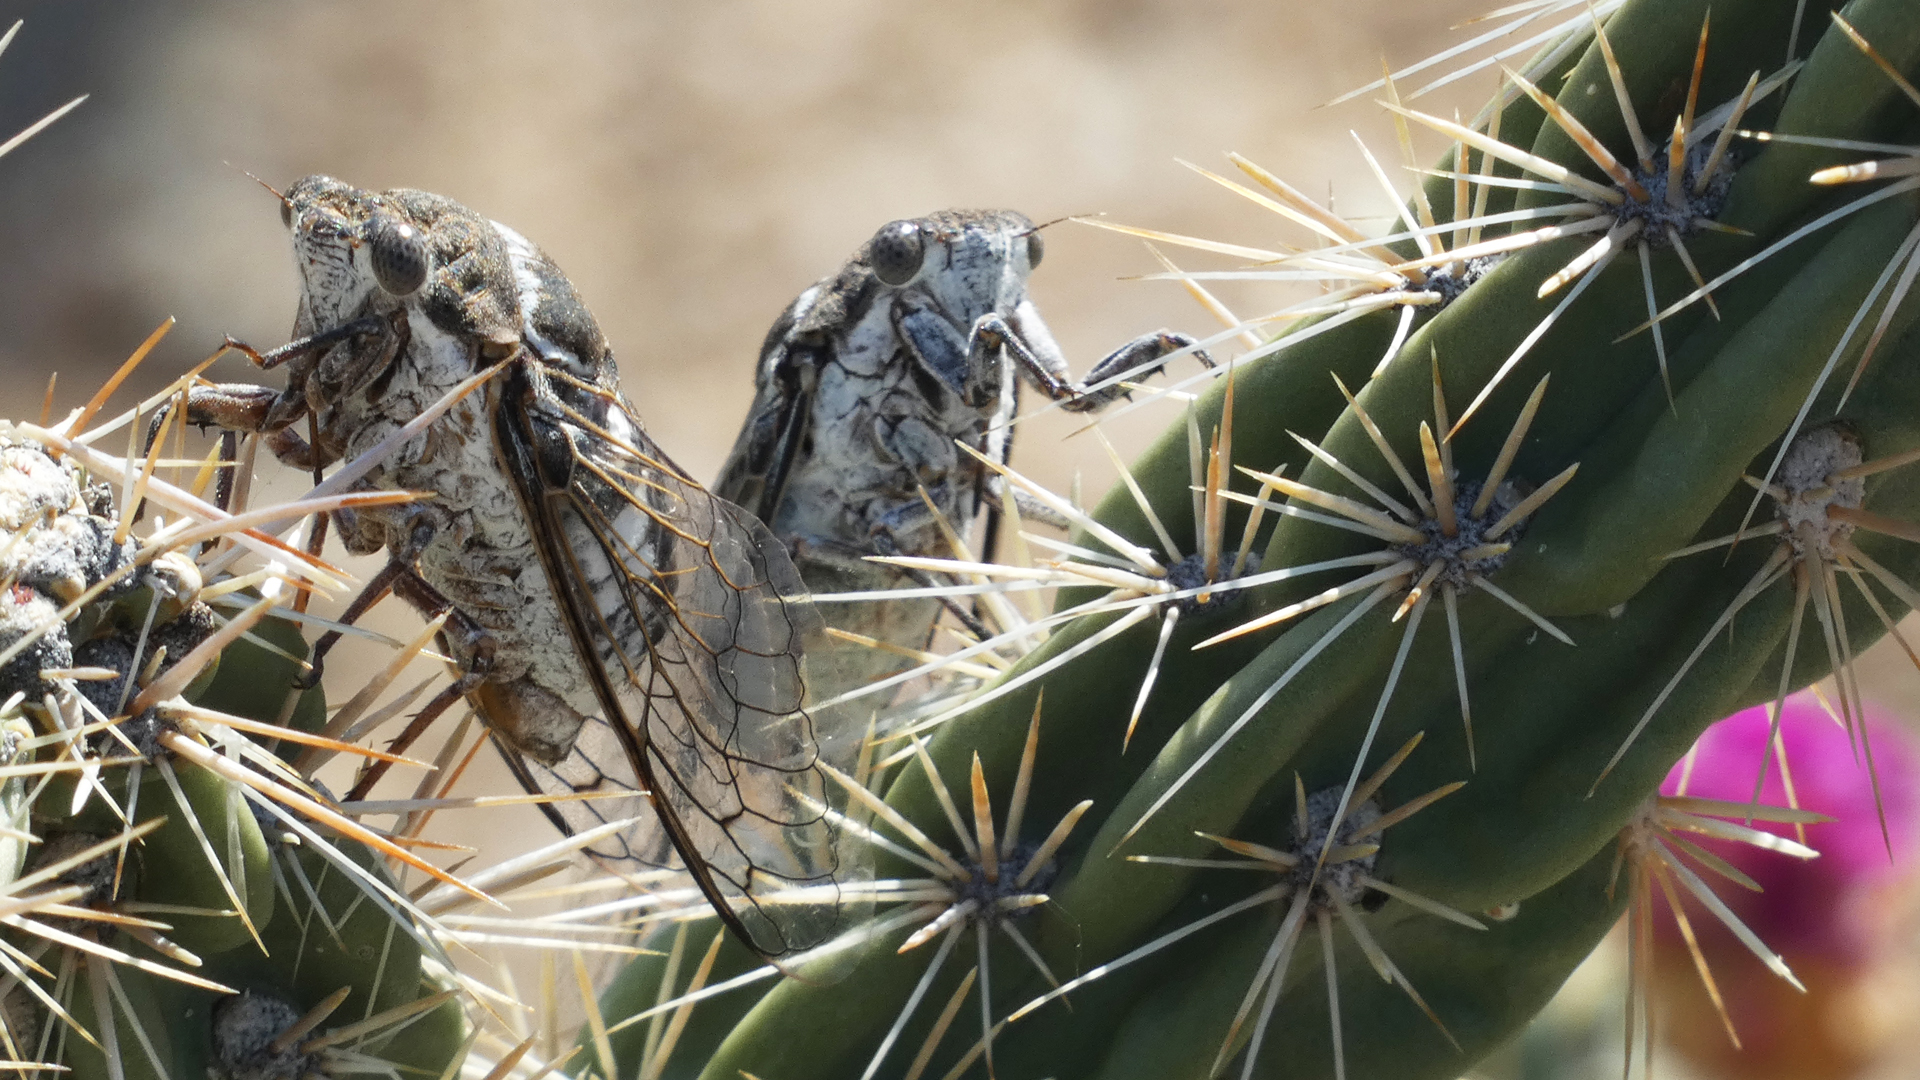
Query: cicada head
x=361, y=252
x=969, y=262
x=332, y=224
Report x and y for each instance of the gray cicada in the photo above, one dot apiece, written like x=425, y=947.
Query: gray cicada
x=866, y=383
x=618, y=627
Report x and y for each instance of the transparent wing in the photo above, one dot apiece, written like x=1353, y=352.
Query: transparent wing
x=597, y=765
x=680, y=604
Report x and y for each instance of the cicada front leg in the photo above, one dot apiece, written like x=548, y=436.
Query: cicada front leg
x=1147, y=354
x=1027, y=340
x=236, y=409
x=245, y=408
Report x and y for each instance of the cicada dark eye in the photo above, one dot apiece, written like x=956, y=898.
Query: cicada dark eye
x=399, y=255
x=286, y=213
x=897, y=251
x=1035, y=249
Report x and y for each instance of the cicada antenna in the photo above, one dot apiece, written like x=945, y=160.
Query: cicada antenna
x=284, y=201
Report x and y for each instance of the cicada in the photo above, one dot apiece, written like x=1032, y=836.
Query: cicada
x=617, y=626
x=865, y=385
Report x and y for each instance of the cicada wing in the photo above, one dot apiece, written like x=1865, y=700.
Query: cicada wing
x=775, y=435
x=689, y=619
x=595, y=767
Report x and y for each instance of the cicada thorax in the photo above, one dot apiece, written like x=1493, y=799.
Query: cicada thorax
x=480, y=553
x=870, y=383
x=899, y=479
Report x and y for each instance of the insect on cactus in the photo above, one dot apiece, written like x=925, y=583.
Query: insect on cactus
x=1662, y=429
x=1492, y=408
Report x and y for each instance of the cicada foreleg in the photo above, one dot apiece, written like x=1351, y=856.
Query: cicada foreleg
x=314, y=344
x=1146, y=353
x=1028, y=341
x=236, y=409
x=262, y=410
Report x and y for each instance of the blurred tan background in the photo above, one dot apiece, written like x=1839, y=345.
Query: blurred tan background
x=691, y=166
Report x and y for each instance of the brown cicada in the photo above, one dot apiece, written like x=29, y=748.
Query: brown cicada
x=618, y=627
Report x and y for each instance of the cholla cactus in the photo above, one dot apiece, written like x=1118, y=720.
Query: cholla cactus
x=1493, y=409
x=143, y=846
x=1689, y=297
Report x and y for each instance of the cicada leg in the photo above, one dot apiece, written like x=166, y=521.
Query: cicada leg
x=1147, y=349
x=419, y=525
x=237, y=408
x=474, y=646
x=375, y=591
x=1027, y=340
x=263, y=410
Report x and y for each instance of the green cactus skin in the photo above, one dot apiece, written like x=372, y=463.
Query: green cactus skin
x=1652, y=505
x=1656, y=474
x=254, y=680
x=204, y=822
x=161, y=1012
x=1297, y=375
x=436, y=1041
x=1839, y=94
x=637, y=988
x=365, y=950
x=1493, y=980
x=173, y=864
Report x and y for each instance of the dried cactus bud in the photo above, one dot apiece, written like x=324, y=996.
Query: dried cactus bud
x=246, y=1032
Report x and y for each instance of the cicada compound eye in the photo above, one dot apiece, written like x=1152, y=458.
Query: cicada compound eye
x=897, y=252
x=1035, y=250
x=399, y=255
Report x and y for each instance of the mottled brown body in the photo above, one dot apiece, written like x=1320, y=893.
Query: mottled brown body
x=618, y=628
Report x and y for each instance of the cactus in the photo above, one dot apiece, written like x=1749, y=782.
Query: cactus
x=1630, y=391
x=183, y=896
x=1490, y=356
x=147, y=889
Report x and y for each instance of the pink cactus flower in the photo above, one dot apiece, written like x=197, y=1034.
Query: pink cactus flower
x=1829, y=918
x=1813, y=908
